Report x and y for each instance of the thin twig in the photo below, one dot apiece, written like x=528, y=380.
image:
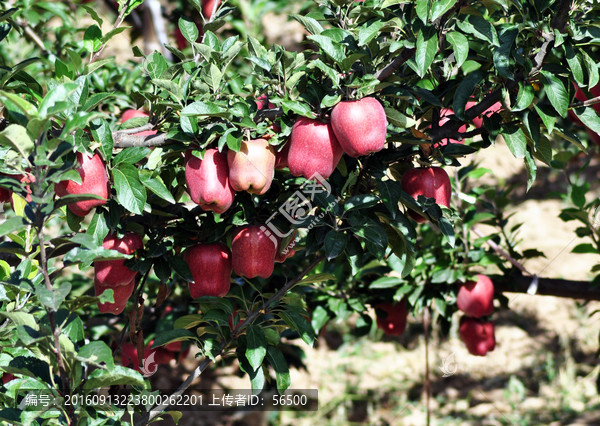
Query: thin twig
x=501, y=252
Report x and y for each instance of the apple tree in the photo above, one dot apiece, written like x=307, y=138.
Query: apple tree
x=221, y=192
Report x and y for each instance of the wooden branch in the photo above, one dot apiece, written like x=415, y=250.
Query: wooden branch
x=123, y=140
x=588, y=102
x=518, y=283
x=393, y=66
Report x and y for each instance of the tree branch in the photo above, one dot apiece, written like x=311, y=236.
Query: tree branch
x=393, y=66
x=588, y=102
x=156, y=411
x=123, y=140
x=518, y=283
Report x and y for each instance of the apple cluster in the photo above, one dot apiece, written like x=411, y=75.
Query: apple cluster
x=476, y=300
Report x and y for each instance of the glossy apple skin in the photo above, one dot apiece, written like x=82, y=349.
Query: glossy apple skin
x=253, y=252
x=121, y=294
x=359, y=126
x=114, y=272
x=133, y=113
x=208, y=181
x=252, y=168
x=391, y=317
x=94, y=180
x=210, y=265
x=207, y=7
x=313, y=149
x=476, y=298
x=431, y=182
x=478, y=335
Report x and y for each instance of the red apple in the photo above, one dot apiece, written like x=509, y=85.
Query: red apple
x=114, y=272
x=251, y=169
x=313, y=149
x=253, y=252
x=7, y=377
x=478, y=335
x=262, y=102
x=208, y=6
x=208, y=180
x=476, y=299
x=94, y=180
x=121, y=294
x=210, y=265
x=431, y=182
x=391, y=317
x=359, y=126
x=174, y=346
x=132, y=113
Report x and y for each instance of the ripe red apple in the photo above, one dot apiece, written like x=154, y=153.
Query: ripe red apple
x=251, y=169
x=253, y=252
x=210, y=265
x=431, y=182
x=391, y=317
x=476, y=299
x=94, y=180
x=208, y=180
x=478, y=335
x=207, y=7
x=359, y=126
x=114, y=272
x=121, y=294
x=132, y=113
x=313, y=149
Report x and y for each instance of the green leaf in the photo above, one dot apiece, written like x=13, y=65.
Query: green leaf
x=256, y=346
x=369, y=31
x=53, y=298
x=362, y=201
x=203, y=108
x=102, y=133
x=156, y=185
x=385, y=282
x=119, y=375
x=439, y=7
x=92, y=39
x=480, y=28
x=427, y=46
x=556, y=92
x=169, y=336
x=16, y=136
x=524, y=97
x=317, y=278
x=98, y=228
x=331, y=48
x=463, y=92
x=548, y=119
x=575, y=64
x=398, y=119
x=422, y=7
x=311, y=24
x=448, y=231
x=131, y=194
x=585, y=248
x=334, y=244
x=21, y=318
x=215, y=77
x=502, y=54
x=299, y=324
x=280, y=365
x=156, y=65
x=297, y=108
x=97, y=353
x=460, y=45
x=130, y=155
x=188, y=29
x=11, y=225
x=589, y=117
x=515, y=140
